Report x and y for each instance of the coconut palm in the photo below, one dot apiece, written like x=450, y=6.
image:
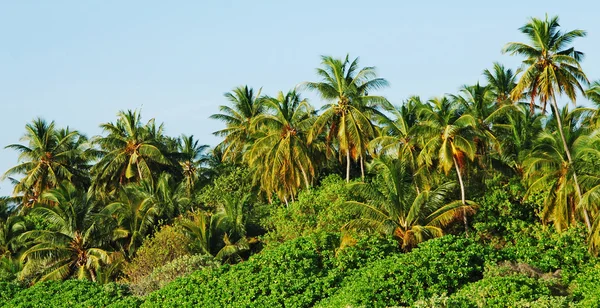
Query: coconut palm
x=501, y=81
x=347, y=115
x=395, y=208
x=547, y=169
x=135, y=213
x=593, y=94
x=280, y=155
x=10, y=229
x=245, y=106
x=194, y=158
x=49, y=156
x=551, y=68
x=131, y=152
x=73, y=245
x=448, y=139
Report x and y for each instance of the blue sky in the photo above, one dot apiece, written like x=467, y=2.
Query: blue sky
x=79, y=62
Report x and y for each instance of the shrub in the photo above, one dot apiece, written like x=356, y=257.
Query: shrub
x=437, y=266
x=288, y=275
x=321, y=209
x=72, y=293
x=8, y=291
x=585, y=289
x=502, y=210
x=548, y=250
x=514, y=290
x=179, y=267
x=165, y=246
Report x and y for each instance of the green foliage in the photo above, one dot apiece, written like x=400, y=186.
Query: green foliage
x=585, y=289
x=235, y=182
x=179, y=267
x=290, y=275
x=8, y=291
x=514, y=290
x=72, y=293
x=165, y=246
x=437, y=266
x=321, y=209
x=548, y=250
x=502, y=210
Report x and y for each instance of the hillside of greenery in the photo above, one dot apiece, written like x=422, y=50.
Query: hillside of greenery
x=489, y=197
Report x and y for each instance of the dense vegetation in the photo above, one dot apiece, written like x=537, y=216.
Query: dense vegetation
x=481, y=198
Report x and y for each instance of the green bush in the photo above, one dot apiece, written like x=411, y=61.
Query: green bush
x=8, y=291
x=502, y=210
x=549, y=250
x=437, y=266
x=514, y=290
x=321, y=209
x=179, y=267
x=585, y=289
x=73, y=293
x=165, y=246
x=287, y=275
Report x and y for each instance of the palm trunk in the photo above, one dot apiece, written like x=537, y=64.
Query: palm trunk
x=586, y=216
x=305, y=177
x=347, y=165
x=362, y=169
x=462, y=195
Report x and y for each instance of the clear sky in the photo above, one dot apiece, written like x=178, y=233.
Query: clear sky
x=79, y=62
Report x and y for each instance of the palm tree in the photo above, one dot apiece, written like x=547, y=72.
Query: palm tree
x=73, y=244
x=134, y=212
x=193, y=160
x=347, y=116
x=502, y=81
x=593, y=94
x=280, y=155
x=547, y=169
x=448, y=138
x=10, y=229
x=398, y=138
x=517, y=135
x=220, y=232
x=131, y=152
x=50, y=156
x=395, y=208
x=245, y=106
x=551, y=68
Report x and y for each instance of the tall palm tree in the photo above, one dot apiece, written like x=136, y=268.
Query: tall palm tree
x=502, y=82
x=193, y=161
x=135, y=213
x=395, y=208
x=280, y=155
x=398, y=137
x=50, y=156
x=245, y=106
x=347, y=116
x=547, y=169
x=131, y=152
x=448, y=138
x=73, y=245
x=551, y=69
x=593, y=94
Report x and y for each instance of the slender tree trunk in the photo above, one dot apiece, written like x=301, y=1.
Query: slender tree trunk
x=362, y=169
x=347, y=165
x=93, y=275
x=586, y=216
x=305, y=177
x=462, y=195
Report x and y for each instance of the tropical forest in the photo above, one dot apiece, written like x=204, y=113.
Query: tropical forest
x=485, y=197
